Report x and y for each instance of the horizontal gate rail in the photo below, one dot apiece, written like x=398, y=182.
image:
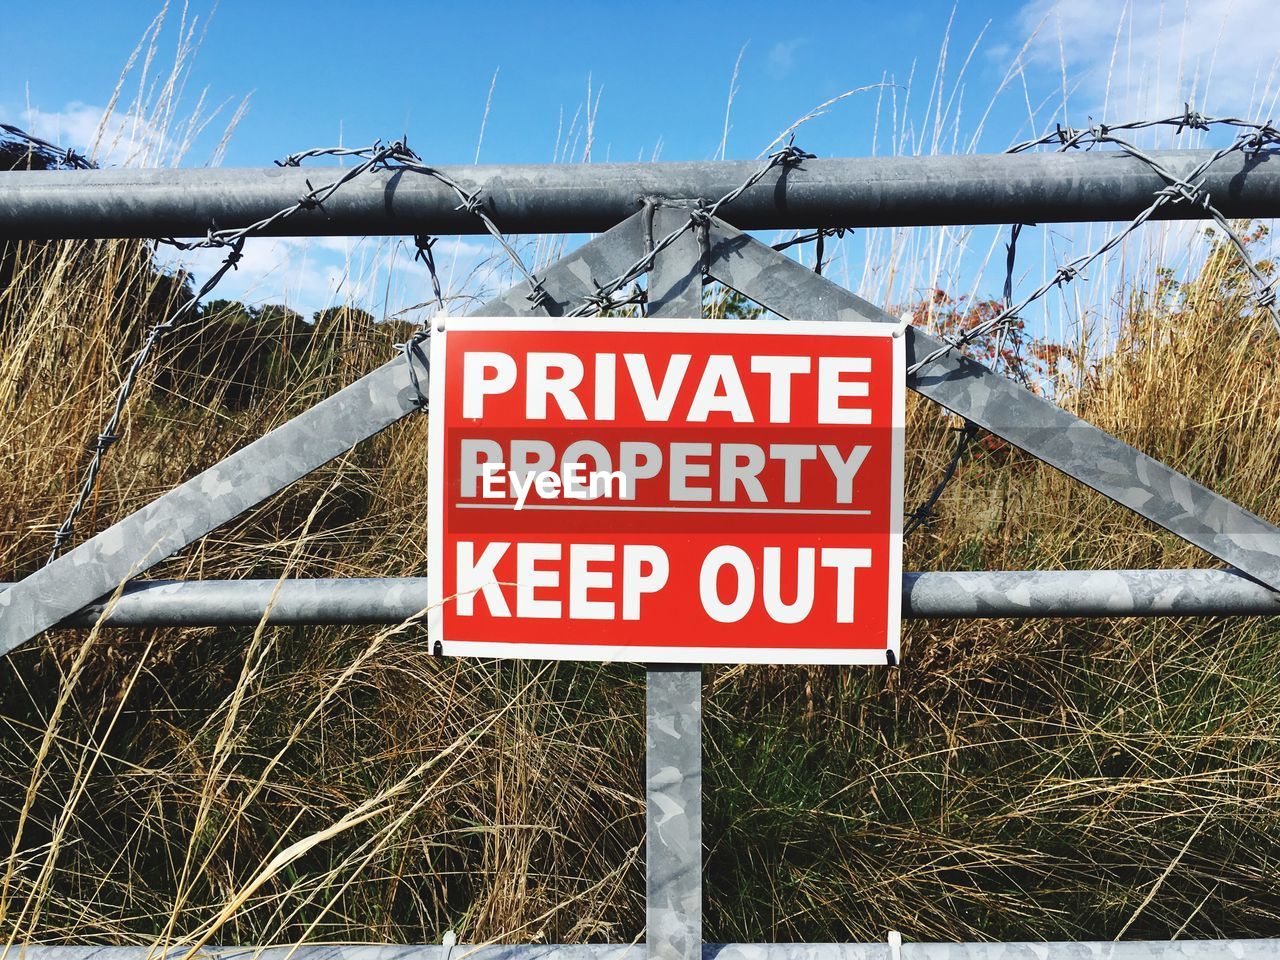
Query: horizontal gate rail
x=1017, y=594
x=590, y=198
x=1079, y=950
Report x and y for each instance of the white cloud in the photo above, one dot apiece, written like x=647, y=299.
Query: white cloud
x=311, y=273
x=111, y=139
x=1145, y=57
x=306, y=274
x=782, y=56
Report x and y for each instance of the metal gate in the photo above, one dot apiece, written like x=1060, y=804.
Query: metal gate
x=681, y=225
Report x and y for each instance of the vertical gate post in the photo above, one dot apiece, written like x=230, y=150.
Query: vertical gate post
x=673, y=715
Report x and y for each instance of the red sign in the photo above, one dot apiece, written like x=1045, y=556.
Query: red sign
x=699, y=491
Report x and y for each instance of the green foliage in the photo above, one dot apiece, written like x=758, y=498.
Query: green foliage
x=721, y=302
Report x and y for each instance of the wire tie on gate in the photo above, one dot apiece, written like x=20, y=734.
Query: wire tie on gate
x=424, y=243
x=412, y=350
x=471, y=202
x=820, y=246
x=425, y=252
x=700, y=218
x=648, y=208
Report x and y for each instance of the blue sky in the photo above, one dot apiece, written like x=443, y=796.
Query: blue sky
x=656, y=77
x=320, y=71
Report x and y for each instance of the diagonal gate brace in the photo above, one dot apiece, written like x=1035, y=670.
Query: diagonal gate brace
x=1043, y=429
x=275, y=460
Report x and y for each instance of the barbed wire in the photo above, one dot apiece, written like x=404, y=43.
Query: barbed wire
x=379, y=156
x=924, y=513
x=699, y=220
x=1251, y=140
x=231, y=240
x=108, y=435
x=50, y=151
x=398, y=156
x=818, y=239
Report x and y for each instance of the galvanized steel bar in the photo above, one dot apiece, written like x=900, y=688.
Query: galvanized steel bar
x=269, y=464
x=1008, y=410
x=673, y=693
x=1022, y=594
x=985, y=594
x=673, y=812
x=563, y=198
x=675, y=282
x=1081, y=950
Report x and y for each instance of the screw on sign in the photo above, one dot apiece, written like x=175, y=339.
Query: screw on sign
x=676, y=490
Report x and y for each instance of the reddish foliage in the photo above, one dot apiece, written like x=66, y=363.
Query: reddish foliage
x=1008, y=349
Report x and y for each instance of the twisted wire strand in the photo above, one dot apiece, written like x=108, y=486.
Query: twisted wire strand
x=1251, y=138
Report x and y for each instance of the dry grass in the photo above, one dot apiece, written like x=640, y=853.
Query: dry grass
x=1080, y=779
x=221, y=768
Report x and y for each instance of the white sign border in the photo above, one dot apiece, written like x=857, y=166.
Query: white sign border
x=632, y=654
